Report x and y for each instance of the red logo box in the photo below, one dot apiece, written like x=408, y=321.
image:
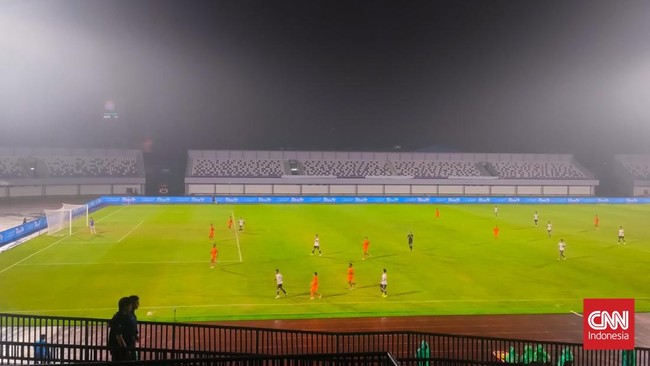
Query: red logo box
x=608, y=324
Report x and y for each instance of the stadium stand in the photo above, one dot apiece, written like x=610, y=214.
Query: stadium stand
x=73, y=166
x=206, y=167
x=638, y=170
x=632, y=174
x=417, y=165
x=27, y=172
x=234, y=172
x=10, y=167
x=436, y=169
x=347, y=168
x=637, y=165
x=538, y=170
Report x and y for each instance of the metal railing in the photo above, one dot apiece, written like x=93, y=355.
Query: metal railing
x=360, y=359
x=84, y=340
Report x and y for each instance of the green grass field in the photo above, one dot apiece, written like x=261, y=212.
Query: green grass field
x=161, y=253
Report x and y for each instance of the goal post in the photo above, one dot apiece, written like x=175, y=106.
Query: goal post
x=63, y=218
x=77, y=211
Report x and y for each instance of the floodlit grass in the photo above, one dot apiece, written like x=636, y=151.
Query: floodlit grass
x=161, y=253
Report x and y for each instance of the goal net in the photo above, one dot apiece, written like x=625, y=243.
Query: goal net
x=61, y=221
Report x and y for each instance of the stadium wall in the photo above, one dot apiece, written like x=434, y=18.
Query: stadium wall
x=69, y=186
x=381, y=186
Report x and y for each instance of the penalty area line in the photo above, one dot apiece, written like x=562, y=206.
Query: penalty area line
x=111, y=214
x=576, y=314
x=130, y=231
x=33, y=254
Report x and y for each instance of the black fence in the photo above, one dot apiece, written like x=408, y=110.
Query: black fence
x=370, y=359
x=81, y=340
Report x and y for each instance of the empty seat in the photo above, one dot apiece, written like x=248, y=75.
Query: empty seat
x=436, y=169
x=537, y=170
x=203, y=167
x=10, y=167
x=347, y=168
x=73, y=166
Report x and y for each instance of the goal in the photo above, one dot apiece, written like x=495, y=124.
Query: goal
x=65, y=217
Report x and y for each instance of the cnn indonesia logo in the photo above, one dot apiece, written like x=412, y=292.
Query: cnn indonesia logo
x=608, y=324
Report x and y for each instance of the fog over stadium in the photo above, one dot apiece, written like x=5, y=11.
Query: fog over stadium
x=485, y=76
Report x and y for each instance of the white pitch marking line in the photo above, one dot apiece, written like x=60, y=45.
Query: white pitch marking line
x=116, y=263
x=237, y=236
x=574, y=313
x=33, y=254
x=130, y=231
x=49, y=246
x=112, y=213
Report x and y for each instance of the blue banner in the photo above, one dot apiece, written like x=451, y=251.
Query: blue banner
x=23, y=230
x=364, y=199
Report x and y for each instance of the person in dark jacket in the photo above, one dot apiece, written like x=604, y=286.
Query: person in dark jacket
x=121, y=337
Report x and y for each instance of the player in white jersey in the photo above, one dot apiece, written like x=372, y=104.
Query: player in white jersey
x=535, y=218
x=560, y=247
x=383, y=284
x=496, y=211
x=621, y=235
x=316, y=246
x=91, y=224
x=241, y=224
x=549, y=229
x=279, y=281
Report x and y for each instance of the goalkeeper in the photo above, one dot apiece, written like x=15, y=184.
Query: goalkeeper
x=91, y=224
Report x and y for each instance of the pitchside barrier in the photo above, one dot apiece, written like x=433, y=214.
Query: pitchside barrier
x=73, y=340
x=16, y=233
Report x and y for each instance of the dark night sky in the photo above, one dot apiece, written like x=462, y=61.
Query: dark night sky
x=493, y=76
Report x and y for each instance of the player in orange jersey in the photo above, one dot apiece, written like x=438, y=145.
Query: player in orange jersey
x=313, y=291
x=496, y=231
x=366, y=244
x=596, y=222
x=230, y=221
x=437, y=213
x=351, y=283
x=211, y=234
x=213, y=255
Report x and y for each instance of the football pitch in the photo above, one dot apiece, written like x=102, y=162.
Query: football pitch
x=162, y=254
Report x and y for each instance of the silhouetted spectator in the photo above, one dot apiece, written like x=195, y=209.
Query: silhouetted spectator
x=41, y=352
x=121, y=338
x=135, y=304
